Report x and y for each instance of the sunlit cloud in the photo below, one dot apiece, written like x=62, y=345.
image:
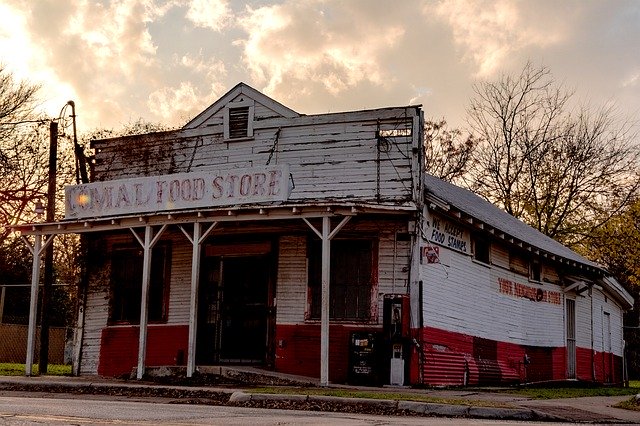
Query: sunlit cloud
x=170, y=103
x=632, y=80
x=296, y=41
x=213, y=14
x=487, y=32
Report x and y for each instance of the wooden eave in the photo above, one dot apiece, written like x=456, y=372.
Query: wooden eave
x=218, y=214
x=481, y=226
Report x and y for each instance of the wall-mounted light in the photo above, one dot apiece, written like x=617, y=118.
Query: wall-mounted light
x=39, y=208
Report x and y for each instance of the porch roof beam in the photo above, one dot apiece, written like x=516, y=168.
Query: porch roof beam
x=205, y=216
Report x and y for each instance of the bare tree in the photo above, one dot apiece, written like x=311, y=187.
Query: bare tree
x=17, y=102
x=563, y=172
x=447, y=151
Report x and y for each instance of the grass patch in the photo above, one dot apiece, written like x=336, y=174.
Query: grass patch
x=9, y=369
x=396, y=396
x=577, y=391
x=629, y=404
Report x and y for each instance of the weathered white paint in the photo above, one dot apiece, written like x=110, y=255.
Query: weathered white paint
x=177, y=191
x=196, y=241
x=326, y=235
x=331, y=156
x=465, y=298
x=147, y=245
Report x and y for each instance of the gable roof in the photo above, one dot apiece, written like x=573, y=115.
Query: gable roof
x=467, y=202
x=240, y=89
x=452, y=197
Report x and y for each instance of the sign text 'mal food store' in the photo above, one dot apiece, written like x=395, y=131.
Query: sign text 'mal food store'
x=177, y=192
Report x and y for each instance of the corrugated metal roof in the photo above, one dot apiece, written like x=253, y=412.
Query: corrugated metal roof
x=482, y=210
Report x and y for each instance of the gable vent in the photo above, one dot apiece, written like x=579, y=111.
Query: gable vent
x=238, y=122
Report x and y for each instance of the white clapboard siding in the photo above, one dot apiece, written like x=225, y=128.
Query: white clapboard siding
x=96, y=315
x=464, y=297
x=583, y=319
x=180, y=282
x=292, y=280
x=329, y=159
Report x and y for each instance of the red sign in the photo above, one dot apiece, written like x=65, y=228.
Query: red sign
x=535, y=294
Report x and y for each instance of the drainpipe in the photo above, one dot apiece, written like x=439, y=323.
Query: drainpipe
x=593, y=358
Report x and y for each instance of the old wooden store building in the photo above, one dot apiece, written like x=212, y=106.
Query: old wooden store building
x=316, y=245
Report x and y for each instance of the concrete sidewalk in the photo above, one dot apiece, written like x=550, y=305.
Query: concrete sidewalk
x=504, y=406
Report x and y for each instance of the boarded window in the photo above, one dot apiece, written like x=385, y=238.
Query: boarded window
x=518, y=263
x=126, y=284
x=350, y=283
x=238, y=122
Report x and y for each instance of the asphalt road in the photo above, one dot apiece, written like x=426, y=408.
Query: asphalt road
x=25, y=410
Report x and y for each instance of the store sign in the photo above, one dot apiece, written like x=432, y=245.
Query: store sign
x=535, y=294
x=446, y=233
x=178, y=191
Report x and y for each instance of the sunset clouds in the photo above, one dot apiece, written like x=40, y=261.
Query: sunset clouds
x=166, y=60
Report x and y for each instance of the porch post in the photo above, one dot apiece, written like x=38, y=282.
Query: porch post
x=324, y=312
x=33, y=303
x=147, y=246
x=144, y=315
x=196, y=241
x=193, y=301
x=325, y=236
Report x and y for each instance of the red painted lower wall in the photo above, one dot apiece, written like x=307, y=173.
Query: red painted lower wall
x=298, y=350
x=450, y=358
x=166, y=345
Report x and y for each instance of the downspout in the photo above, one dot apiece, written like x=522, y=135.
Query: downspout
x=593, y=358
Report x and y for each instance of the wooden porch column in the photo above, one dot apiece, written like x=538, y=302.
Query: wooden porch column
x=324, y=312
x=36, y=250
x=326, y=235
x=147, y=245
x=196, y=241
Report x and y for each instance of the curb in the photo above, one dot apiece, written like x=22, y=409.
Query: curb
x=425, y=408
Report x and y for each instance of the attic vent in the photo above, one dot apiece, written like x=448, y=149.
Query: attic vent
x=238, y=121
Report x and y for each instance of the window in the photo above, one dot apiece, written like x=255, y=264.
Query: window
x=535, y=270
x=238, y=120
x=352, y=279
x=481, y=249
x=126, y=284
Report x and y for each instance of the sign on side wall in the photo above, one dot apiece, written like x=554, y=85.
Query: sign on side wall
x=444, y=232
x=178, y=191
x=535, y=294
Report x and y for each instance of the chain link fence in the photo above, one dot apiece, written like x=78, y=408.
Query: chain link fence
x=14, y=320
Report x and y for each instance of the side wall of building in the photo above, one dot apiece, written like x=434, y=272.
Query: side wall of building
x=487, y=323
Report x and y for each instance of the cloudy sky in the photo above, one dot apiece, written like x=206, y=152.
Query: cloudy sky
x=166, y=60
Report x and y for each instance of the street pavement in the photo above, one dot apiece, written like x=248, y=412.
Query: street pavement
x=503, y=406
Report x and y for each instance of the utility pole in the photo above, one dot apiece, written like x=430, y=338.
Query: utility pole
x=48, y=257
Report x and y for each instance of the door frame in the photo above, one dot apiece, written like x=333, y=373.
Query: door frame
x=217, y=250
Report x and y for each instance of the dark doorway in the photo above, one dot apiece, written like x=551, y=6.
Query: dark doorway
x=234, y=310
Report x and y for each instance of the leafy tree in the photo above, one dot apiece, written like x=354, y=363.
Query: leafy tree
x=564, y=172
x=617, y=246
x=447, y=151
